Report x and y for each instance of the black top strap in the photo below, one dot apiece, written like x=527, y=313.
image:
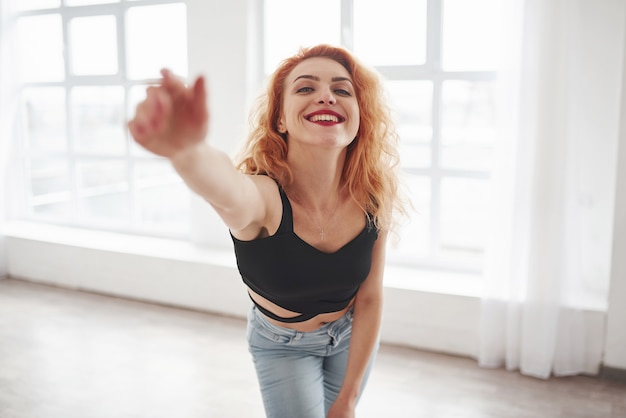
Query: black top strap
x=286, y=223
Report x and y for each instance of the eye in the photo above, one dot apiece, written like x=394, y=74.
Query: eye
x=343, y=92
x=304, y=90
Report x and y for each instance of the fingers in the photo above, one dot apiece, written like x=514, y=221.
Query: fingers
x=199, y=98
x=173, y=85
x=151, y=114
x=136, y=129
x=158, y=106
x=171, y=105
x=193, y=99
x=199, y=90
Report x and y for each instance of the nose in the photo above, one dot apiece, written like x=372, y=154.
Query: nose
x=326, y=96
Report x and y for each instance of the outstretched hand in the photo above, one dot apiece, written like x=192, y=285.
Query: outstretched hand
x=172, y=118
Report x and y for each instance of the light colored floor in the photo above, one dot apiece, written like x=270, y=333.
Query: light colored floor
x=69, y=354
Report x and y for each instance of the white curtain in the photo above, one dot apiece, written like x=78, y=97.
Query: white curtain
x=8, y=103
x=548, y=260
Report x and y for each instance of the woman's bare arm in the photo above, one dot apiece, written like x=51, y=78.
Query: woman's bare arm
x=368, y=308
x=173, y=122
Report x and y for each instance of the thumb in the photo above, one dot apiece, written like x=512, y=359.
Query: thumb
x=199, y=93
x=199, y=99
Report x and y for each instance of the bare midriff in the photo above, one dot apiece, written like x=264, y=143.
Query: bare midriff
x=305, y=326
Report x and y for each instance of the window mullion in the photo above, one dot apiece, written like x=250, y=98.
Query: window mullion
x=434, y=56
x=123, y=76
x=69, y=117
x=433, y=36
x=347, y=24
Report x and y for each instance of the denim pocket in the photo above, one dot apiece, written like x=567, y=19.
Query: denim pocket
x=263, y=334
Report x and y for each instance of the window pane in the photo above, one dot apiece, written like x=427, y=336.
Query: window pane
x=98, y=120
x=411, y=102
x=471, y=30
x=24, y=5
x=93, y=42
x=468, y=124
x=156, y=38
x=415, y=236
x=290, y=25
x=394, y=34
x=49, y=187
x=162, y=199
x=40, y=50
x=88, y=2
x=103, y=191
x=44, y=119
x=463, y=219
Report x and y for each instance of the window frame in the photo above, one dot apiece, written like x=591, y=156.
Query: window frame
x=73, y=157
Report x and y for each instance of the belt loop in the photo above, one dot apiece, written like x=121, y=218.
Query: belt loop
x=331, y=333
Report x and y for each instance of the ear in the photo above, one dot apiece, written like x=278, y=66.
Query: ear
x=281, y=126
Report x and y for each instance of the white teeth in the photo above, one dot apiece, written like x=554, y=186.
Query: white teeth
x=324, y=118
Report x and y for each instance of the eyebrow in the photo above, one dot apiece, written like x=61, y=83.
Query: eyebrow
x=316, y=78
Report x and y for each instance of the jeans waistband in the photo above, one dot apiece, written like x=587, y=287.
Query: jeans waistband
x=329, y=328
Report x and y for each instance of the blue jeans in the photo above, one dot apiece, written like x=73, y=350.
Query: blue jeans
x=300, y=373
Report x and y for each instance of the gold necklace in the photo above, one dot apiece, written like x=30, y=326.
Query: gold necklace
x=321, y=229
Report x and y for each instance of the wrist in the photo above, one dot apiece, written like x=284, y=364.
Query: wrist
x=347, y=397
x=187, y=155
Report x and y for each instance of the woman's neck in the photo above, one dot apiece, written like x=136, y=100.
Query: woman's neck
x=317, y=178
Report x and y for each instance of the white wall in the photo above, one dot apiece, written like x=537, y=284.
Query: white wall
x=162, y=271
x=5, y=115
x=615, y=351
x=223, y=48
x=4, y=270
x=181, y=274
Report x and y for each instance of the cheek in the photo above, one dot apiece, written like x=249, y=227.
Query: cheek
x=357, y=120
x=355, y=111
x=289, y=112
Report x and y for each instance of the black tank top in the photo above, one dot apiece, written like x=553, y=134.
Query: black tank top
x=296, y=276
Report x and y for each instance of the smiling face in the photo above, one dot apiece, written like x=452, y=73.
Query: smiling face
x=319, y=104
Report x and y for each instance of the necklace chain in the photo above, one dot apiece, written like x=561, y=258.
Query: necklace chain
x=322, y=229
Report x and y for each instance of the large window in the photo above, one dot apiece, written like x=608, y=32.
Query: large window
x=439, y=60
x=85, y=64
x=83, y=67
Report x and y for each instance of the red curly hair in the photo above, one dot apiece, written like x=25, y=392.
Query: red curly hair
x=369, y=172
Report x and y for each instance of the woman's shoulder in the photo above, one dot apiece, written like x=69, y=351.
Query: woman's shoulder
x=272, y=194
x=265, y=200
x=265, y=183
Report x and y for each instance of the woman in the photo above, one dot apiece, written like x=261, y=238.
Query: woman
x=309, y=207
